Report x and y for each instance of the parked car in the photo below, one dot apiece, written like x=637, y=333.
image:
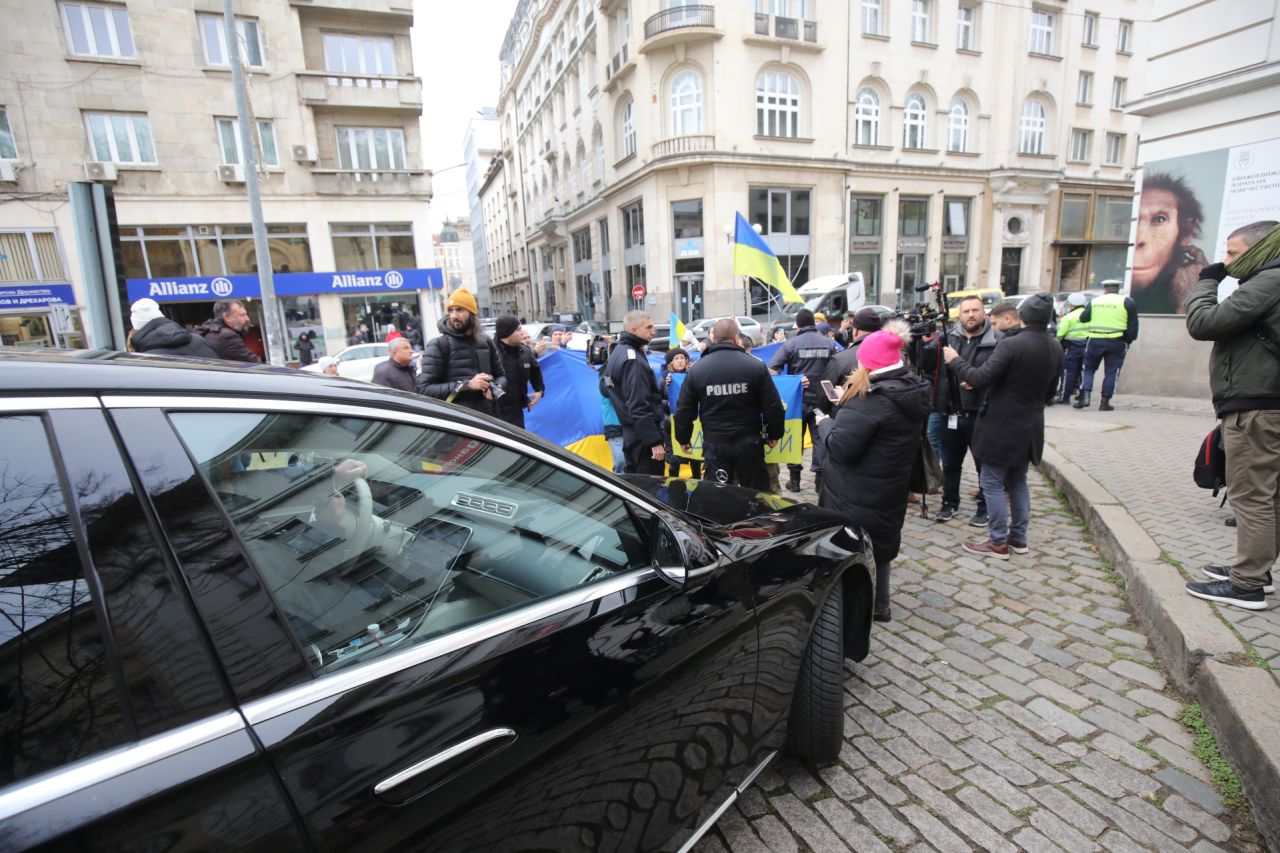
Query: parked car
x=748, y=325
x=246, y=608
x=357, y=362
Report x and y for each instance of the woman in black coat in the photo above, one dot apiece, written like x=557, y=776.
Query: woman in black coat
x=306, y=349
x=871, y=442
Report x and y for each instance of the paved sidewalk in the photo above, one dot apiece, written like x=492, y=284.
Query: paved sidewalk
x=1009, y=706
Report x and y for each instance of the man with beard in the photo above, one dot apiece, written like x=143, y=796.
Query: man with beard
x=225, y=332
x=636, y=397
x=462, y=365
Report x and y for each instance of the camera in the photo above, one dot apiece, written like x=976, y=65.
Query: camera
x=599, y=349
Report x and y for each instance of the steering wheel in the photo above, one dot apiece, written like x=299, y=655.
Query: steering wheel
x=363, y=529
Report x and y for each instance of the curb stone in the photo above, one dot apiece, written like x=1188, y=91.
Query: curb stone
x=1238, y=702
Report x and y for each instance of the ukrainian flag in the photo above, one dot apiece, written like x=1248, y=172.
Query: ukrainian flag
x=678, y=331
x=753, y=257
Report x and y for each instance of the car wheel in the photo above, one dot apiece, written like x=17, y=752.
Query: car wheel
x=816, y=727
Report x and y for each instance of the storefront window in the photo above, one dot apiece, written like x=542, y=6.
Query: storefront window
x=30, y=256
x=1093, y=238
x=1074, y=224
x=379, y=312
x=686, y=218
x=1112, y=215
x=913, y=217
x=954, y=271
x=302, y=315
x=194, y=250
x=866, y=221
x=373, y=246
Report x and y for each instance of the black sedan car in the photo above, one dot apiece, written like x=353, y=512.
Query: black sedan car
x=249, y=608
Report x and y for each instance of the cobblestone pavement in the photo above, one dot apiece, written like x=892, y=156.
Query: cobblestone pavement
x=1009, y=705
x=1142, y=455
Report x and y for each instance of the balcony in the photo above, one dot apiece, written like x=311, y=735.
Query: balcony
x=678, y=145
x=620, y=66
x=679, y=25
x=776, y=29
x=381, y=182
x=336, y=89
x=389, y=9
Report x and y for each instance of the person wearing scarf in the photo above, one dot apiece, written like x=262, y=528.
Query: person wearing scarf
x=1244, y=377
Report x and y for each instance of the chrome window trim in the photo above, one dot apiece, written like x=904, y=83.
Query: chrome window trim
x=36, y=404
x=441, y=757
x=109, y=765
x=344, y=410
x=326, y=687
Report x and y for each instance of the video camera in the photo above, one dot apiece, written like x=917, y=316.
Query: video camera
x=926, y=320
x=599, y=349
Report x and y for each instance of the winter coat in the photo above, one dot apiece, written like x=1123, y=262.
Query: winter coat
x=734, y=396
x=1018, y=380
x=522, y=370
x=634, y=390
x=1243, y=374
x=163, y=336
x=807, y=354
x=225, y=341
x=949, y=398
x=305, y=350
x=449, y=362
x=871, y=442
x=390, y=374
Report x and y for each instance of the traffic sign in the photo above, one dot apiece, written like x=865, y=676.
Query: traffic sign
x=637, y=292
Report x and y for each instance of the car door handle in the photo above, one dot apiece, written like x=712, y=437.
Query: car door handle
x=443, y=757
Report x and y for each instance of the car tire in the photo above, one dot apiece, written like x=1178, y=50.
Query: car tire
x=815, y=730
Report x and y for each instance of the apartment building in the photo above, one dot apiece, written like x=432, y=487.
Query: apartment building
x=139, y=94
x=480, y=145
x=505, y=253
x=971, y=143
x=455, y=255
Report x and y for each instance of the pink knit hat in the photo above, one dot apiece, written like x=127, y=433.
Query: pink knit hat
x=880, y=349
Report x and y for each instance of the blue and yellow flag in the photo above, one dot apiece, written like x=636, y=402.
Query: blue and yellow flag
x=787, y=450
x=678, y=331
x=753, y=257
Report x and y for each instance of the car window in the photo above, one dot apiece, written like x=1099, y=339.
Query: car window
x=374, y=536
x=58, y=701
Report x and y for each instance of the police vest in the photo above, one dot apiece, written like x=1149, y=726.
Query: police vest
x=1071, y=329
x=1108, y=317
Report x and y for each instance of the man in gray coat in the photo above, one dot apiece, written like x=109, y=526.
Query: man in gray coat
x=397, y=371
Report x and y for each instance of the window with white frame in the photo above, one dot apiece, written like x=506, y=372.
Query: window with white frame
x=920, y=20
x=232, y=150
x=1042, y=27
x=913, y=122
x=120, y=137
x=1124, y=35
x=1114, y=151
x=213, y=34
x=629, y=128
x=1081, y=143
x=30, y=254
x=1084, y=88
x=966, y=29
x=873, y=17
x=362, y=56
x=370, y=148
x=98, y=30
x=777, y=105
x=1031, y=128
x=866, y=118
x=8, y=144
x=686, y=103
x=958, y=126
x=1089, y=33
x=1117, y=93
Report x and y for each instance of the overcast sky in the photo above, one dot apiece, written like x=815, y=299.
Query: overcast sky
x=455, y=52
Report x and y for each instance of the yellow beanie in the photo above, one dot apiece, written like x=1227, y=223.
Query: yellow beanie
x=462, y=298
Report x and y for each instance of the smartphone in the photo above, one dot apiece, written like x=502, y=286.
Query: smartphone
x=830, y=390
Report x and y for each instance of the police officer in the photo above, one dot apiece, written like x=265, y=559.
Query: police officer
x=733, y=393
x=806, y=355
x=636, y=397
x=1071, y=335
x=1110, y=324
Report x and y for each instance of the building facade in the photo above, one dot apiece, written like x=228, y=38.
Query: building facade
x=936, y=140
x=140, y=95
x=479, y=146
x=455, y=256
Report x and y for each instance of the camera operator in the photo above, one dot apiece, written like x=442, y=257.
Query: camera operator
x=733, y=394
x=636, y=396
x=807, y=356
x=975, y=339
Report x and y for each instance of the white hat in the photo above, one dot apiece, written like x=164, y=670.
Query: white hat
x=325, y=361
x=1077, y=299
x=143, y=312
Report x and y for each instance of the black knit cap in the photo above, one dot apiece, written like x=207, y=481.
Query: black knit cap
x=868, y=320
x=1036, y=309
x=804, y=317
x=505, y=327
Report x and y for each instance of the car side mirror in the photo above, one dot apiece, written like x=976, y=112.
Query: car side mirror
x=681, y=556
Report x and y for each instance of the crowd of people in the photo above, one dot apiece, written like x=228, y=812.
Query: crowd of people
x=976, y=388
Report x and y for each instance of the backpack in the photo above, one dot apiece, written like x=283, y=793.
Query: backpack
x=1210, y=470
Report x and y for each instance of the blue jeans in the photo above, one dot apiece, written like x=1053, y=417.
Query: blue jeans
x=937, y=422
x=996, y=480
x=619, y=460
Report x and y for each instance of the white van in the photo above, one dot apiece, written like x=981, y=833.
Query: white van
x=827, y=294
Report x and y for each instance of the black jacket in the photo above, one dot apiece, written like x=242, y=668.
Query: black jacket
x=226, y=341
x=807, y=354
x=871, y=442
x=521, y=368
x=1019, y=379
x=949, y=398
x=634, y=390
x=732, y=393
x=841, y=365
x=305, y=351
x=163, y=336
x=449, y=362
x=389, y=374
